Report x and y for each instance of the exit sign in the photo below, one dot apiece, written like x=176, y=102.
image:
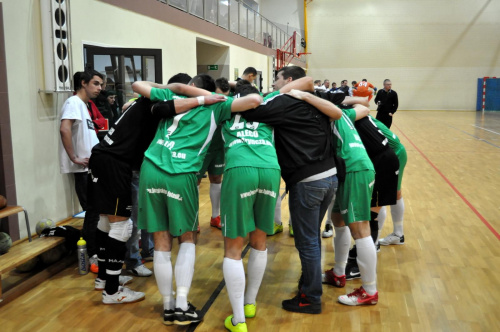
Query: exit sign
x=213, y=67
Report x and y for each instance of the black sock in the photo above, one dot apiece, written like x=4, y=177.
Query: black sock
x=115, y=255
x=374, y=225
x=102, y=239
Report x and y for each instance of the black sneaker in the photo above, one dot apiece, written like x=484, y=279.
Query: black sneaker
x=301, y=304
x=352, y=270
x=353, y=253
x=377, y=247
x=191, y=315
x=168, y=317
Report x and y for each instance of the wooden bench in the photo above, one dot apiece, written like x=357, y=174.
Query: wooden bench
x=23, y=251
x=10, y=210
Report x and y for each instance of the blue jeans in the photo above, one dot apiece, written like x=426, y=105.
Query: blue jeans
x=308, y=202
x=132, y=257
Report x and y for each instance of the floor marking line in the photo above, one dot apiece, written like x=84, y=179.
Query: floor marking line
x=479, y=215
x=478, y=138
x=491, y=131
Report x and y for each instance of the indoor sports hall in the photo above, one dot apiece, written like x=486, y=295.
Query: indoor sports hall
x=443, y=59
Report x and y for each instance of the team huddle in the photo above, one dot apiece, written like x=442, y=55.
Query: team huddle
x=332, y=155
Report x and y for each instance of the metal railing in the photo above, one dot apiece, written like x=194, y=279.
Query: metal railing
x=234, y=16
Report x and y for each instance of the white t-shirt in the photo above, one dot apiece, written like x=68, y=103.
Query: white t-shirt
x=83, y=134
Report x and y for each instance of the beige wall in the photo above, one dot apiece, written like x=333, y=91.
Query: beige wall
x=35, y=117
x=432, y=50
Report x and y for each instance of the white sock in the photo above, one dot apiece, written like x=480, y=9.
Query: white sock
x=163, y=274
x=397, y=212
x=257, y=261
x=277, y=211
x=184, y=270
x=234, y=276
x=341, y=244
x=215, y=198
x=367, y=262
x=329, y=213
x=382, y=215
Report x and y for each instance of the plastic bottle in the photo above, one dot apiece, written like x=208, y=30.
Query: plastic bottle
x=83, y=258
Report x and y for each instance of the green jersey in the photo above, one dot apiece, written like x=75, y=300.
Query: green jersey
x=272, y=94
x=249, y=144
x=348, y=143
x=394, y=141
x=181, y=142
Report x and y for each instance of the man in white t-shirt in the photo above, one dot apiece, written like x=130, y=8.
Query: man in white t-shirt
x=78, y=136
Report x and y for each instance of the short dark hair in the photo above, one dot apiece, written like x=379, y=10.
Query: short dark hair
x=317, y=81
x=243, y=88
x=203, y=81
x=343, y=81
x=334, y=83
x=85, y=76
x=365, y=80
x=180, y=78
x=250, y=70
x=386, y=80
x=354, y=82
x=222, y=84
x=295, y=72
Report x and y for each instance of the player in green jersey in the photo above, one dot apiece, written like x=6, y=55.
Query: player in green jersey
x=168, y=198
x=248, y=200
x=214, y=162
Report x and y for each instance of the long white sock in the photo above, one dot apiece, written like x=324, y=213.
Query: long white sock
x=215, y=198
x=367, y=262
x=341, y=244
x=257, y=261
x=329, y=213
x=397, y=212
x=164, y=278
x=277, y=211
x=184, y=270
x=234, y=276
x=382, y=215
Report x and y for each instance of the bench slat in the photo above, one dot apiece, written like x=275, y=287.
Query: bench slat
x=10, y=210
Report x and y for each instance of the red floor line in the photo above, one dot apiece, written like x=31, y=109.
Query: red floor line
x=479, y=215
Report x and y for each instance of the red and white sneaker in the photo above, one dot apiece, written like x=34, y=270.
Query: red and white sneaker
x=359, y=297
x=215, y=222
x=330, y=278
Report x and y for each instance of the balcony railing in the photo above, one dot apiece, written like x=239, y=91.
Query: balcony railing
x=232, y=15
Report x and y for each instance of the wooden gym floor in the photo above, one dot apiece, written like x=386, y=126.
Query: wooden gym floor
x=445, y=278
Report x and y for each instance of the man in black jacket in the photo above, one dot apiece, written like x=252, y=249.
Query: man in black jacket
x=306, y=156
x=387, y=101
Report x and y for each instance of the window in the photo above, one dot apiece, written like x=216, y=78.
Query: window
x=124, y=66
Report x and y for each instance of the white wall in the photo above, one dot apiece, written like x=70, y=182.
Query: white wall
x=432, y=50
x=35, y=117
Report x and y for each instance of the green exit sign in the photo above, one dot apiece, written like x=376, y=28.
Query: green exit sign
x=213, y=67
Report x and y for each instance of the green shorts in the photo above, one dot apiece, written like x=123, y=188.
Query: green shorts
x=403, y=158
x=167, y=202
x=354, y=196
x=213, y=163
x=248, y=199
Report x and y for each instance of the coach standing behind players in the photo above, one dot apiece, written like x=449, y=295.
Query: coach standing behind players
x=387, y=101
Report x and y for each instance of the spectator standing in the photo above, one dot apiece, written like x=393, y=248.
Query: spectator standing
x=78, y=137
x=387, y=101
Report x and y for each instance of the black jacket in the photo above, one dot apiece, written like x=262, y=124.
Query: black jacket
x=302, y=136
